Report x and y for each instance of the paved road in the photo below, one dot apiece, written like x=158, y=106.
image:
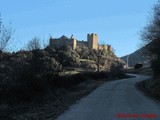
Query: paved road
x=112, y=98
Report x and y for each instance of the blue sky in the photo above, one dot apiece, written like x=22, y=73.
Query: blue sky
x=117, y=22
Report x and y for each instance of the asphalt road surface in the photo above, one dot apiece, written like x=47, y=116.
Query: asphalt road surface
x=116, y=100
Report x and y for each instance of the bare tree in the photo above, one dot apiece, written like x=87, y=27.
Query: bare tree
x=151, y=36
x=5, y=35
x=34, y=44
x=45, y=43
x=99, y=56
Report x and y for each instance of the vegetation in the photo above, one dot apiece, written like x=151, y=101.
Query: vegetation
x=34, y=73
x=34, y=44
x=98, y=56
x=31, y=74
x=25, y=74
x=5, y=35
x=138, y=66
x=151, y=36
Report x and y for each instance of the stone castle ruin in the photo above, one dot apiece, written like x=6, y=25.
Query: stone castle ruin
x=92, y=42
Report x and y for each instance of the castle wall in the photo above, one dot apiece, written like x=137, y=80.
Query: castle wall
x=61, y=42
x=82, y=43
x=106, y=47
x=92, y=42
x=103, y=47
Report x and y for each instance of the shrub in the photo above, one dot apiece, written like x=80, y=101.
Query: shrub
x=138, y=66
x=155, y=64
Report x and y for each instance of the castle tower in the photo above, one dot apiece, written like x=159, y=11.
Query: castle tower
x=109, y=48
x=51, y=42
x=92, y=40
x=74, y=42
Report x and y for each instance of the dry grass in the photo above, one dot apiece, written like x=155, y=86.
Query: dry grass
x=86, y=60
x=49, y=106
x=142, y=71
x=146, y=71
x=150, y=87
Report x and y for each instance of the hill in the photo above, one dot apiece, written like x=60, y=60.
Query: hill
x=137, y=57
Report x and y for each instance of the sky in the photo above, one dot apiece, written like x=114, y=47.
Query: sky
x=117, y=22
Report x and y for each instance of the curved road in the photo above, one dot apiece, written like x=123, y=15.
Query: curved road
x=117, y=100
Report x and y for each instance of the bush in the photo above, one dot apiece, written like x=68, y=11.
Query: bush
x=24, y=90
x=151, y=38
x=138, y=66
x=155, y=64
x=27, y=74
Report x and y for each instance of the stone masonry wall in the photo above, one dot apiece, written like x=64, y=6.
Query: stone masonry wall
x=92, y=42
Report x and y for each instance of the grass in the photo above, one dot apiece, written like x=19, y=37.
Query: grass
x=31, y=86
x=141, y=71
x=87, y=60
x=62, y=92
x=150, y=87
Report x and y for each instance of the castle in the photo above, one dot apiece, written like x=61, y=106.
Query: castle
x=92, y=42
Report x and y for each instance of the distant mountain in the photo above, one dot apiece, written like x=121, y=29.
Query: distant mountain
x=137, y=57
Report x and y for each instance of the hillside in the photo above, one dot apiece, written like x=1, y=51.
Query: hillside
x=42, y=83
x=137, y=57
